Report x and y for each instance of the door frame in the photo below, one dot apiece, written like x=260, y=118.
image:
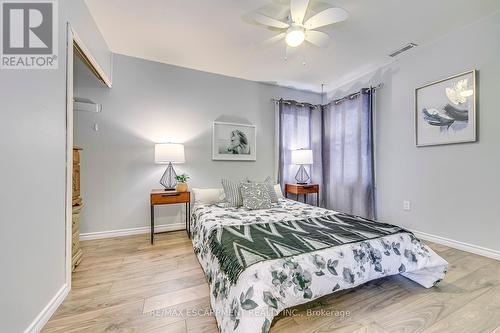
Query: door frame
x=69, y=155
x=72, y=41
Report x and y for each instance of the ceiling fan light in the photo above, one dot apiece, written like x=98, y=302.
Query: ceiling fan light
x=295, y=36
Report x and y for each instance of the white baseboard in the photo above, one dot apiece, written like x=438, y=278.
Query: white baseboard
x=47, y=312
x=131, y=231
x=482, y=251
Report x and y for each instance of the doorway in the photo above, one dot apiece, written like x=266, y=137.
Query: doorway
x=77, y=53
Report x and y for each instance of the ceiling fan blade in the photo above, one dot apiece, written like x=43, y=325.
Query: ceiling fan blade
x=326, y=17
x=269, y=21
x=317, y=38
x=274, y=39
x=298, y=9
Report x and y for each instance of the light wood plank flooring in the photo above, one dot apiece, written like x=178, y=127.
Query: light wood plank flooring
x=122, y=281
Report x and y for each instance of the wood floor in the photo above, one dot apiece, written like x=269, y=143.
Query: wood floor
x=121, y=281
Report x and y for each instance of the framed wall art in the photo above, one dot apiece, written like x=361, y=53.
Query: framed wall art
x=445, y=111
x=234, y=142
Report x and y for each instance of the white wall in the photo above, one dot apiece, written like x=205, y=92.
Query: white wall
x=454, y=189
x=32, y=177
x=153, y=102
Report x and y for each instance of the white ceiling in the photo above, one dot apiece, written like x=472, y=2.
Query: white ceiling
x=217, y=36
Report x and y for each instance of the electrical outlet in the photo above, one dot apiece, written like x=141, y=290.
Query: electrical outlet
x=406, y=205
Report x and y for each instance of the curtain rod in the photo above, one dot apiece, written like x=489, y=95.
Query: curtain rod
x=356, y=94
x=337, y=101
x=290, y=101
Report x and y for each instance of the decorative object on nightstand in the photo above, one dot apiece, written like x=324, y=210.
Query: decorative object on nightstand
x=160, y=197
x=182, y=185
x=76, y=251
x=168, y=153
x=302, y=157
x=298, y=189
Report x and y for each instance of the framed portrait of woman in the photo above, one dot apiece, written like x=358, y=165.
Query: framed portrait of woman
x=234, y=142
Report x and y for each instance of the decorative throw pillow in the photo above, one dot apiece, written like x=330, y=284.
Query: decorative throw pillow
x=255, y=196
x=232, y=191
x=270, y=188
x=208, y=195
x=278, y=192
x=224, y=204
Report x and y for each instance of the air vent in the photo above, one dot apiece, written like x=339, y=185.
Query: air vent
x=403, y=49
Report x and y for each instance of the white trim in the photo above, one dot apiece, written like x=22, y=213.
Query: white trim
x=49, y=309
x=482, y=251
x=93, y=62
x=69, y=156
x=131, y=231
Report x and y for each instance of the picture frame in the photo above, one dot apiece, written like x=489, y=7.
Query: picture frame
x=234, y=142
x=445, y=111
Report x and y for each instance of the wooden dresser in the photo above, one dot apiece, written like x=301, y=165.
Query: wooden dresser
x=77, y=207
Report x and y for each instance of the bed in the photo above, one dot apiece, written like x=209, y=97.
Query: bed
x=260, y=262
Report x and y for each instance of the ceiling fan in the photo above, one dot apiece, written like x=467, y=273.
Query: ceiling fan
x=295, y=30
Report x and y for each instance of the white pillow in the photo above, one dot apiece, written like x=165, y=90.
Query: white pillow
x=208, y=195
x=277, y=189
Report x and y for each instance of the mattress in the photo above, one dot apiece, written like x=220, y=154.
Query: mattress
x=260, y=262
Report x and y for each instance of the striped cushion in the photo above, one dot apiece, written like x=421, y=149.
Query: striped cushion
x=232, y=192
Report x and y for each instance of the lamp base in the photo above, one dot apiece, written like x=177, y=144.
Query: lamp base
x=302, y=177
x=168, y=179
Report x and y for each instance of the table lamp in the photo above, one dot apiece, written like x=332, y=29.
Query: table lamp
x=302, y=157
x=168, y=153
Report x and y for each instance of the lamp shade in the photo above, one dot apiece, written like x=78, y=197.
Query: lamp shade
x=169, y=153
x=302, y=156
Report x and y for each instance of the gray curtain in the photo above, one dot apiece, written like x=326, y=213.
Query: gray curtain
x=348, y=175
x=299, y=127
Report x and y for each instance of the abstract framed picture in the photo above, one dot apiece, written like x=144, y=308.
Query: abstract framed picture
x=234, y=142
x=445, y=111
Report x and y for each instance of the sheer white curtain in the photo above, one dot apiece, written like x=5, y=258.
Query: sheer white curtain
x=348, y=177
x=299, y=127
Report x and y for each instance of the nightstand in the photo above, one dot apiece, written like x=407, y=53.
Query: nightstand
x=304, y=189
x=162, y=197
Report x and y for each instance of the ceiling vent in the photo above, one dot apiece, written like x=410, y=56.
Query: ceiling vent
x=403, y=49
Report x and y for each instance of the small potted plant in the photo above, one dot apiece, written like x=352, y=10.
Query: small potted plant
x=181, y=183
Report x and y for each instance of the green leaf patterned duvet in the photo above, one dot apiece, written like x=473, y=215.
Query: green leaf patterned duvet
x=260, y=262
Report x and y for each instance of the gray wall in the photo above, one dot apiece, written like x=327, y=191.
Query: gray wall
x=153, y=102
x=454, y=189
x=32, y=175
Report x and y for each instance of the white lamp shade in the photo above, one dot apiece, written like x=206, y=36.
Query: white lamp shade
x=169, y=152
x=302, y=156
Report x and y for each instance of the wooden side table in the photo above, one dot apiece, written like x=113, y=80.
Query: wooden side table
x=162, y=197
x=304, y=189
